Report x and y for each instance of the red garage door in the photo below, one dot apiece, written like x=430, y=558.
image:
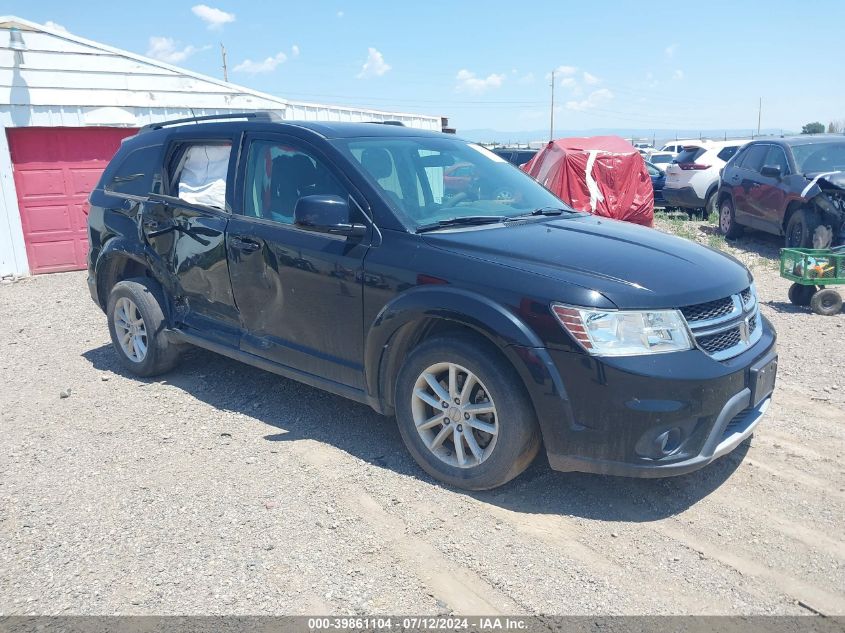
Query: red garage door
x=55, y=170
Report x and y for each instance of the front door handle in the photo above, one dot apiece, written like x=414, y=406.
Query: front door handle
x=244, y=244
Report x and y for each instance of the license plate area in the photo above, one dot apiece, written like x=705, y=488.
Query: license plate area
x=762, y=381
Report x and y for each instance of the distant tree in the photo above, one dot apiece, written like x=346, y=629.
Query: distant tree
x=813, y=128
x=835, y=127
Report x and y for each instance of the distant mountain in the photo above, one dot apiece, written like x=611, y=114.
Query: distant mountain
x=658, y=136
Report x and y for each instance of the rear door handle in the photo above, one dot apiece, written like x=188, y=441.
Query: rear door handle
x=244, y=244
x=154, y=228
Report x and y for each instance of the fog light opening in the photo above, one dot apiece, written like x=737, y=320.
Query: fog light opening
x=667, y=442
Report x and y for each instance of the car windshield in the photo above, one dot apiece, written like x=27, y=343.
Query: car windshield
x=429, y=180
x=819, y=157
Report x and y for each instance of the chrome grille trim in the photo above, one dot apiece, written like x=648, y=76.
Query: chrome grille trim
x=729, y=334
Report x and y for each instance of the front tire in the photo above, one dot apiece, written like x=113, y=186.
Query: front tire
x=800, y=228
x=728, y=225
x=464, y=415
x=136, y=325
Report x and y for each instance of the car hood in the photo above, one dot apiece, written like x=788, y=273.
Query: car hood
x=632, y=266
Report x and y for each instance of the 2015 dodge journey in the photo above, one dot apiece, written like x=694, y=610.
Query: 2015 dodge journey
x=491, y=319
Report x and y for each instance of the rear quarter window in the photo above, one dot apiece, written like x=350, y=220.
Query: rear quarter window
x=138, y=173
x=728, y=152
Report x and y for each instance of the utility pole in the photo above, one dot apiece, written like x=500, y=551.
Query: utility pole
x=225, y=69
x=552, y=112
x=759, y=115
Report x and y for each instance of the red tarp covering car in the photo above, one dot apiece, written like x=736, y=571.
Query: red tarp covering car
x=603, y=175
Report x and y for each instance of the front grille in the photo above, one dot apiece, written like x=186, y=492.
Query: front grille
x=715, y=343
x=709, y=310
x=725, y=327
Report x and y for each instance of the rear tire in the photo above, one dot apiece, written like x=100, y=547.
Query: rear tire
x=800, y=228
x=728, y=225
x=800, y=295
x=826, y=302
x=137, y=324
x=451, y=443
x=711, y=206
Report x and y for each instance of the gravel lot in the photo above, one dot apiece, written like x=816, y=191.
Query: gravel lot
x=219, y=488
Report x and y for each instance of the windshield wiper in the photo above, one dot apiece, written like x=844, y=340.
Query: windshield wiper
x=467, y=220
x=547, y=211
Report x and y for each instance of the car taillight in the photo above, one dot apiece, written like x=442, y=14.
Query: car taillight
x=690, y=166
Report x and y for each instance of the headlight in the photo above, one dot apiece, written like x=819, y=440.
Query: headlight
x=625, y=333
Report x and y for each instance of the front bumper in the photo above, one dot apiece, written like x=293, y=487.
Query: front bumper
x=651, y=416
x=684, y=197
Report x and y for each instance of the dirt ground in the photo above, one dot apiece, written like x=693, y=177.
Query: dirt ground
x=219, y=488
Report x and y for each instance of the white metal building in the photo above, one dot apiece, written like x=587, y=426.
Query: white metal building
x=66, y=104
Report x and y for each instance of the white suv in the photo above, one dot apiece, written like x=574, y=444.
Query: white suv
x=676, y=147
x=693, y=178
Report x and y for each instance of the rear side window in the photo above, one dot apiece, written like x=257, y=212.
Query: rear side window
x=690, y=154
x=201, y=172
x=657, y=160
x=139, y=174
x=728, y=152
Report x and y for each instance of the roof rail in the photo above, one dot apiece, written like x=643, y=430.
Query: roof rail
x=399, y=123
x=255, y=116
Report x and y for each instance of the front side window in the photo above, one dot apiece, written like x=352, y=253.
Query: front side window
x=201, y=173
x=755, y=157
x=426, y=180
x=278, y=174
x=776, y=158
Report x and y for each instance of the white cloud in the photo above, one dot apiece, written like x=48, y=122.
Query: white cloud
x=266, y=66
x=678, y=74
x=590, y=80
x=566, y=71
x=670, y=50
x=294, y=50
x=55, y=26
x=650, y=81
x=468, y=82
x=214, y=18
x=568, y=82
x=528, y=78
x=340, y=14
x=375, y=66
x=595, y=99
x=168, y=50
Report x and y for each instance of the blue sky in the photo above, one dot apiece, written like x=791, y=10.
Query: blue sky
x=660, y=65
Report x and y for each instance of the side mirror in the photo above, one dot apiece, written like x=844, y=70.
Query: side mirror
x=326, y=214
x=771, y=171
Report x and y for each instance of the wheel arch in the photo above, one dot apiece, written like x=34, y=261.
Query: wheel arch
x=790, y=210
x=419, y=315
x=120, y=259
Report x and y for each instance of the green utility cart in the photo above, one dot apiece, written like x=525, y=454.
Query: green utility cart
x=812, y=272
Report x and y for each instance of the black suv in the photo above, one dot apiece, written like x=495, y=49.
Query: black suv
x=514, y=155
x=786, y=186
x=488, y=324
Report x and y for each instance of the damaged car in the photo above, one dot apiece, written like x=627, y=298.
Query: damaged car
x=793, y=187
x=490, y=323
